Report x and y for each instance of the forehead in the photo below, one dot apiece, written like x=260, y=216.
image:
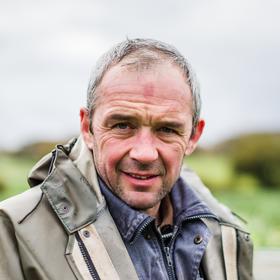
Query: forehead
x=163, y=81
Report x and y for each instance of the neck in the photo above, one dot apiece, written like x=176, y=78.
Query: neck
x=153, y=212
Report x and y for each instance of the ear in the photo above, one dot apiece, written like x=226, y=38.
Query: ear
x=85, y=128
x=195, y=137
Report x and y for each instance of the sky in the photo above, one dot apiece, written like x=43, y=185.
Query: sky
x=48, y=48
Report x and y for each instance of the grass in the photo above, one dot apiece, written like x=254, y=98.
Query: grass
x=258, y=206
x=261, y=209
x=214, y=170
x=13, y=176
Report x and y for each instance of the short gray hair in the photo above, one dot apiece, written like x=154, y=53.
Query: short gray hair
x=134, y=46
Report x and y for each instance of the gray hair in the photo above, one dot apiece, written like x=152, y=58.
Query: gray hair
x=143, y=49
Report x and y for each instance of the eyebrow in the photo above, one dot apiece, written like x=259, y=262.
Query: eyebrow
x=121, y=117
x=172, y=124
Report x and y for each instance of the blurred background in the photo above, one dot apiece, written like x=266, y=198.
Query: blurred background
x=47, y=50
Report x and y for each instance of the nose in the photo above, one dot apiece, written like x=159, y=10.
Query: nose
x=144, y=147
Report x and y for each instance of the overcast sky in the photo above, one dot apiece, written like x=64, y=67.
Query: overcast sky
x=47, y=50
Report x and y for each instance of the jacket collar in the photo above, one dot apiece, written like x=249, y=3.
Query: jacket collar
x=68, y=179
x=129, y=221
x=76, y=152
x=70, y=195
x=186, y=203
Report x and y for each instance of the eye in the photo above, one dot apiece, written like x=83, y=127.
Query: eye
x=121, y=126
x=167, y=130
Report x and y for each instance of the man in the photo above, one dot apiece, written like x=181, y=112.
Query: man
x=135, y=217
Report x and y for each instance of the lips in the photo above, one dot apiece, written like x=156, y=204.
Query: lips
x=141, y=176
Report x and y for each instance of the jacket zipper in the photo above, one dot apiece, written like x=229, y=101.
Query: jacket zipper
x=200, y=217
x=91, y=268
x=167, y=249
x=168, y=256
x=142, y=227
x=170, y=268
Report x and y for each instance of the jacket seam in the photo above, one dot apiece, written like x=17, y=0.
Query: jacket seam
x=32, y=210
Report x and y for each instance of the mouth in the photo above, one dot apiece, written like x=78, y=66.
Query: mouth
x=141, y=176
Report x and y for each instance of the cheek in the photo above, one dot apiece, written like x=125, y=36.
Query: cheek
x=175, y=159
x=173, y=155
x=177, y=147
x=110, y=152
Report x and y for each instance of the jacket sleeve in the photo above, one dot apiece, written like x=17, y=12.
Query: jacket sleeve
x=10, y=264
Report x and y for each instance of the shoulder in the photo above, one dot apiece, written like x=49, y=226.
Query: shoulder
x=17, y=207
x=29, y=213
x=229, y=238
x=224, y=214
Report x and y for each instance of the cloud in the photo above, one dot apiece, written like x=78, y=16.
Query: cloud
x=47, y=49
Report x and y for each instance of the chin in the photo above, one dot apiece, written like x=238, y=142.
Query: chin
x=141, y=202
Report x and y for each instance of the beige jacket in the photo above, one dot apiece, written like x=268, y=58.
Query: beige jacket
x=41, y=229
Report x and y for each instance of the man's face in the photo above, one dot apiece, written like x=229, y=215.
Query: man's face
x=141, y=131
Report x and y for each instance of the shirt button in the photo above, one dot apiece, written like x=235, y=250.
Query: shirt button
x=198, y=239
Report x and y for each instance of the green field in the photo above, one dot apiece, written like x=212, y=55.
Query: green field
x=261, y=210
x=13, y=175
x=260, y=207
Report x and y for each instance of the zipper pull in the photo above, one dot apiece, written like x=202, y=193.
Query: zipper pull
x=168, y=256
